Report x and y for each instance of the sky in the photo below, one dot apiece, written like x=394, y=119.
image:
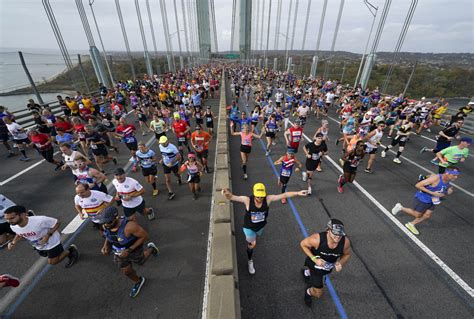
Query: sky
x=439, y=26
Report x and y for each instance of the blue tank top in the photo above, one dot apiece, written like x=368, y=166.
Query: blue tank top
x=427, y=198
x=271, y=126
x=118, y=239
x=287, y=166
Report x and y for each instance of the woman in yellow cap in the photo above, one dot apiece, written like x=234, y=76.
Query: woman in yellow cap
x=256, y=214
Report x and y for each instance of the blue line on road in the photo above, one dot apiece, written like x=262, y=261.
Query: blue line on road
x=304, y=232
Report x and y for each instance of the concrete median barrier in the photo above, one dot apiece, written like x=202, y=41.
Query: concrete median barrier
x=221, y=294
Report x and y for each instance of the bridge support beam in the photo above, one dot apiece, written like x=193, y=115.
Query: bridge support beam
x=204, y=29
x=245, y=28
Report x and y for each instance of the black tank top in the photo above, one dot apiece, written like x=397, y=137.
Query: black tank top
x=330, y=256
x=256, y=218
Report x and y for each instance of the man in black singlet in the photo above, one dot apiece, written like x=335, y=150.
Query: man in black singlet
x=325, y=251
x=256, y=214
x=126, y=240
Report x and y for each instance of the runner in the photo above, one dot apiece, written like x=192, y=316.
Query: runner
x=87, y=175
x=293, y=136
x=4, y=130
x=130, y=192
x=147, y=161
x=42, y=233
x=287, y=162
x=200, y=142
x=270, y=128
x=170, y=161
x=324, y=252
x=256, y=214
x=126, y=132
x=20, y=138
x=445, y=137
x=97, y=144
x=6, y=233
x=209, y=116
x=351, y=161
x=246, y=144
x=453, y=155
x=372, y=141
x=429, y=194
x=125, y=238
x=158, y=126
x=43, y=145
x=314, y=152
x=181, y=129
x=194, y=170
x=70, y=155
x=401, y=138
x=89, y=203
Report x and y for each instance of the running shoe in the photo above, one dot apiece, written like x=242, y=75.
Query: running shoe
x=421, y=177
x=274, y=143
x=114, y=160
x=155, y=192
x=308, y=300
x=398, y=207
x=155, y=250
x=397, y=160
x=9, y=280
x=73, y=256
x=151, y=214
x=31, y=212
x=412, y=228
x=341, y=162
x=251, y=267
x=319, y=169
x=383, y=154
x=143, y=134
x=246, y=176
x=136, y=288
x=24, y=159
x=423, y=149
x=434, y=161
x=304, y=176
x=428, y=130
x=180, y=182
x=368, y=171
x=171, y=196
x=267, y=153
x=305, y=278
x=283, y=200
x=195, y=196
x=337, y=142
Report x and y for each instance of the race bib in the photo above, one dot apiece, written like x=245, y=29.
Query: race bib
x=182, y=139
x=130, y=139
x=257, y=217
x=94, y=146
x=285, y=172
x=315, y=156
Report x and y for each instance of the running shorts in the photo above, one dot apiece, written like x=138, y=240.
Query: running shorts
x=51, y=253
x=245, y=149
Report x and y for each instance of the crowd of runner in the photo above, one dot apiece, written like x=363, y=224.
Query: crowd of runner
x=278, y=105
x=275, y=106
x=172, y=107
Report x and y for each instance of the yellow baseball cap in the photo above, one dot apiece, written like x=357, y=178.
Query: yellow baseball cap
x=176, y=115
x=163, y=140
x=259, y=190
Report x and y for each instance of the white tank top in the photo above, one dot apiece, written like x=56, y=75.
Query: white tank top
x=375, y=138
x=69, y=159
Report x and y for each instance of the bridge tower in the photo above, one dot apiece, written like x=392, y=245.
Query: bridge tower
x=204, y=29
x=245, y=29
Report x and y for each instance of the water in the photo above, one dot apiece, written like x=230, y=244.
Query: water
x=43, y=65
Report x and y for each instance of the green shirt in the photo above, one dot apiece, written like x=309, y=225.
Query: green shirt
x=454, y=154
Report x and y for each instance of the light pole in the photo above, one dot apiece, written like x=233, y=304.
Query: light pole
x=91, y=2
x=374, y=14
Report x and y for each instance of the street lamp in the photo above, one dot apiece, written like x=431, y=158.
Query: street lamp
x=374, y=14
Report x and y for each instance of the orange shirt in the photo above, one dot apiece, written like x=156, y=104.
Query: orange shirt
x=201, y=140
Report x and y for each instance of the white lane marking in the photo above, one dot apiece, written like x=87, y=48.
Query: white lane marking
x=73, y=225
x=23, y=171
x=421, y=167
x=418, y=242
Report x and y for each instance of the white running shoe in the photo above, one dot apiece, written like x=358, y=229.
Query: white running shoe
x=397, y=160
x=304, y=176
x=251, y=267
x=383, y=154
x=398, y=207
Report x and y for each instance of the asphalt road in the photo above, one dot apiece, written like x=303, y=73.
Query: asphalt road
x=387, y=275
x=94, y=287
